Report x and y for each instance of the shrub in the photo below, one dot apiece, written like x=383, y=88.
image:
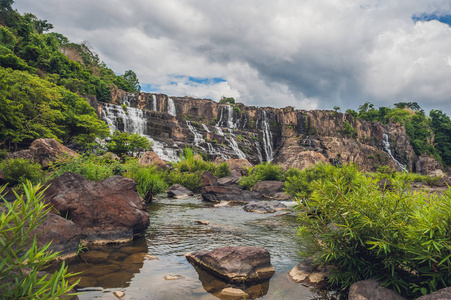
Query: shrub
x=222, y=170
x=189, y=162
x=189, y=180
x=261, y=172
x=22, y=260
x=397, y=237
x=19, y=170
x=148, y=179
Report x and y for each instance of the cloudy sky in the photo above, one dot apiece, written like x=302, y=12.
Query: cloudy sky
x=310, y=54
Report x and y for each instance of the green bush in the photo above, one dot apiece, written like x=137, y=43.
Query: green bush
x=397, y=237
x=222, y=170
x=189, y=180
x=21, y=259
x=261, y=172
x=19, y=170
x=148, y=179
x=189, y=162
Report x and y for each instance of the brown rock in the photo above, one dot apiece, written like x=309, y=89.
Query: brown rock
x=271, y=189
x=307, y=272
x=237, y=166
x=151, y=158
x=371, y=290
x=426, y=165
x=238, y=265
x=228, y=180
x=208, y=179
x=106, y=211
x=46, y=151
x=228, y=193
x=64, y=234
x=178, y=191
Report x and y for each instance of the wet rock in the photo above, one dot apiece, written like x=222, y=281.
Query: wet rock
x=371, y=290
x=236, y=265
x=442, y=294
x=208, y=178
x=173, y=277
x=64, y=234
x=271, y=189
x=94, y=256
x=107, y=211
x=228, y=180
x=307, y=272
x=44, y=152
x=264, y=207
x=151, y=158
x=228, y=193
x=234, y=293
x=178, y=191
x=202, y=222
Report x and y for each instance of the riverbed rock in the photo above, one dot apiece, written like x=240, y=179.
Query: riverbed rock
x=442, y=294
x=271, y=189
x=307, y=272
x=44, y=152
x=237, y=265
x=178, y=191
x=151, y=158
x=264, y=207
x=228, y=180
x=107, y=211
x=64, y=234
x=208, y=178
x=228, y=193
x=372, y=290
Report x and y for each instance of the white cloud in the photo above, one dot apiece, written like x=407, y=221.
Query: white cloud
x=308, y=54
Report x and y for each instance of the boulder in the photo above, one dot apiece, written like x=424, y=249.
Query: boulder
x=237, y=166
x=237, y=265
x=64, y=234
x=108, y=211
x=442, y=294
x=371, y=290
x=426, y=165
x=271, y=189
x=44, y=152
x=307, y=272
x=437, y=173
x=228, y=180
x=228, y=193
x=264, y=207
x=151, y=158
x=208, y=178
x=178, y=191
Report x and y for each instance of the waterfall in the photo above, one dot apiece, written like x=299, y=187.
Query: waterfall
x=205, y=127
x=135, y=122
x=387, y=146
x=219, y=131
x=171, y=107
x=154, y=103
x=267, y=137
x=234, y=145
x=198, y=138
x=229, y=117
x=259, y=153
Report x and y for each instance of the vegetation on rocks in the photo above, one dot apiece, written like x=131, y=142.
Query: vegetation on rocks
x=261, y=172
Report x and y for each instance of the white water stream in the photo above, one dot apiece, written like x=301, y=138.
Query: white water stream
x=171, y=107
x=267, y=137
x=387, y=148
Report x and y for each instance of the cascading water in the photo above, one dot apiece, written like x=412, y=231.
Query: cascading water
x=234, y=145
x=198, y=138
x=228, y=122
x=154, y=103
x=387, y=146
x=135, y=122
x=219, y=131
x=171, y=107
x=259, y=153
x=267, y=137
x=205, y=127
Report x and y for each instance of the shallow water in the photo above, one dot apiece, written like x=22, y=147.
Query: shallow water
x=173, y=232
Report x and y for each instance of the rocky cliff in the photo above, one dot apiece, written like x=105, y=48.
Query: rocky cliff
x=285, y=136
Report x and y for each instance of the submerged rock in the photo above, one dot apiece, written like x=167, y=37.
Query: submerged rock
x=264, y=207
x=236, y=265
x=228, y=193
x=107, y=211
x=178, y=191
x=372, y=290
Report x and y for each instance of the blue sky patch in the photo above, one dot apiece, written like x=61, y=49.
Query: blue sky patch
x=148, y=88
x=206, y=80
x=428, y=17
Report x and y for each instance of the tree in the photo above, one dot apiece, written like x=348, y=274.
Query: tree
x=225, y=100
x=336, y=108
x=132, y=81
x=122, y=143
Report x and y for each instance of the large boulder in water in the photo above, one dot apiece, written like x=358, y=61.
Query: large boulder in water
x=237, y=265
x=107, y=211
x=44, y=152
x=228, y=193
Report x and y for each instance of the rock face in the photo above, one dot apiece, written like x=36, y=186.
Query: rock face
x=371, y=290
x=228, y=193
x=236, y=265
x=44, y=152
x=264, y=207
x=107, y=211
x=271, y=189
x=178, y=191
x=151, y=158
x=425, y=165
x=285, y=136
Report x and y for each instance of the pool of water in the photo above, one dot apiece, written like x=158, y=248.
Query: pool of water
x=139, y=269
